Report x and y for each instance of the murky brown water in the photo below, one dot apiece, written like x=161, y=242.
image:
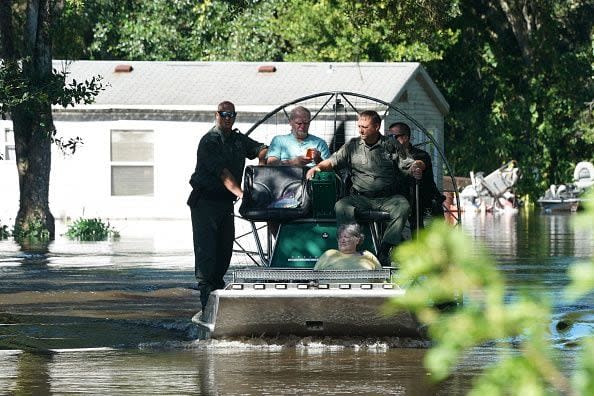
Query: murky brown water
x=114, y=318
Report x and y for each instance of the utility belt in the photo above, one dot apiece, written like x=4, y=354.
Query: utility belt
x=196, y=195
x=388, y=192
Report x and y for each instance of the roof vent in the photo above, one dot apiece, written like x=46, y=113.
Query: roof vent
x=267, y=69
x=123, y=69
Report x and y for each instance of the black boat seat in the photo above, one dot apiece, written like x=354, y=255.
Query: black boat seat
x=275, y=193
x=376, y=220
x=365, y=216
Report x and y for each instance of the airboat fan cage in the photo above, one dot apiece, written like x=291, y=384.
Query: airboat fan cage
x=334, y=118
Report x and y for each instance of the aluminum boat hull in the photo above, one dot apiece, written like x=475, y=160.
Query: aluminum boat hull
x=559, y=204
x=334, y=309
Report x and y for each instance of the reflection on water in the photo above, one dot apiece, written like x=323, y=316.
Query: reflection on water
x=114, y=317
x=529, y=236
x=212, y=372
x=496, y=231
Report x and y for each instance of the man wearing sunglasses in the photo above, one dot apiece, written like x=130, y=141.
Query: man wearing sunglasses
x=215, y=187
x=430, y=198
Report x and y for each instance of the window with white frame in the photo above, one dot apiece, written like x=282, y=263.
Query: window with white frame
x=132, y=162
x=7, y=145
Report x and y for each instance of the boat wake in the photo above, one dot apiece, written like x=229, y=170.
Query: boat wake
x=309, y=343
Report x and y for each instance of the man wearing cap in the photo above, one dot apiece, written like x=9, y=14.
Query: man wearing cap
x=215, y=187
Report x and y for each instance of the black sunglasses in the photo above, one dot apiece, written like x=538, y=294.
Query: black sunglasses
x=225, y=114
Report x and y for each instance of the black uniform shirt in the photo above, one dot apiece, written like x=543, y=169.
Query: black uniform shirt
x=216, y=152
x=429, y=190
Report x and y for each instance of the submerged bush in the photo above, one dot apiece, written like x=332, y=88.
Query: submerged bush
x=91, y=230
x=4, y=233
x=33, y=232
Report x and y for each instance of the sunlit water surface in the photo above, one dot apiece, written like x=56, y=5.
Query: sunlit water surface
x=114, y=318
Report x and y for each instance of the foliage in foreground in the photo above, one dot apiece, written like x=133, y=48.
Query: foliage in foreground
x=91, y=230
x=454, y=265
x=582, y=274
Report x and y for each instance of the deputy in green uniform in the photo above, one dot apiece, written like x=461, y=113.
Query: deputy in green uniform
x=377, y=166
x=215, y=186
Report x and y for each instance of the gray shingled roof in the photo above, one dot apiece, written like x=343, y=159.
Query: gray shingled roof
x=196, y=85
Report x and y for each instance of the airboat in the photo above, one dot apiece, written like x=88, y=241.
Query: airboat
x=280, y=293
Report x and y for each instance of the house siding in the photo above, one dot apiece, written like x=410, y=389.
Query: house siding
x=80, y=184
x=420, y=105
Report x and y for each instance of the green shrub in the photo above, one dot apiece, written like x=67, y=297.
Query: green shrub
x=91, y=230
x=32, y=232
x=4, y=233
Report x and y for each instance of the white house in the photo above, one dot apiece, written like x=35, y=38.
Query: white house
x=141, y=135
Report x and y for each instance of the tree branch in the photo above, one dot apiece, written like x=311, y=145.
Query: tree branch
x=31, y=25
x=6, y=33
x=517, y=14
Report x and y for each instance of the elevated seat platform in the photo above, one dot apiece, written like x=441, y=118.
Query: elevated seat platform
x=303, y=213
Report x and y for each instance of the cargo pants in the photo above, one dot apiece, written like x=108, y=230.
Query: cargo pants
x=396, y=205
x=213, y=230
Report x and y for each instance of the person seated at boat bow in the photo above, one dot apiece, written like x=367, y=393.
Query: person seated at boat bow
x=348, y=256
x=378, y=166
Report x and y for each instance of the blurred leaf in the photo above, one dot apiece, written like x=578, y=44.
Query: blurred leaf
x=582, y=280
x=582, y=274
x=453, y=265
x=583, y=378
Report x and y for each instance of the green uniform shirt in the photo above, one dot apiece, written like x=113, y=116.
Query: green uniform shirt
x=380, y=167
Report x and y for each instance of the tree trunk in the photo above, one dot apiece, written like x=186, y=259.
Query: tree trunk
x=32, y=88
x=33, y=158
x=33, y=125
x=521, y=21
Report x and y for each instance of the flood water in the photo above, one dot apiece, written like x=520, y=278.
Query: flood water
x=114, y=318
